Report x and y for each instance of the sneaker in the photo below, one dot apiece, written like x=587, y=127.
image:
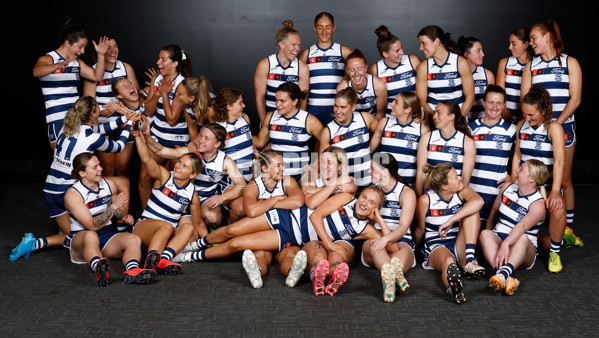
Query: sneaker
x=297, y=268
x=511, y=286
x=183, y=257
x=319, y=278
x=454, y=279
x=472, y=269
x=102, y=272
x=401, y=280
x=388, y=278
x=338, y=277
x=167, y=267
x=571, y=239
x=191, y=247
x=138, y=276
x=497, y=282
x=555, y=263
x=250, y=265
x=24, y=248
x=152, y=260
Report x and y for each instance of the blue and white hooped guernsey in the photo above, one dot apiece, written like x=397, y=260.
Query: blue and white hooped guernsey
x=169, y=202
x=327, y=68
x=104, y=89
x=402, y=142
x=440, y=211
x=513, y=82
x=289, y=136
x=366, y=97
x=553, y=75
x=59, y=178
x=264, y=193
x=513, y=208
x=354, y=138
x=238, y=145
x=444, y=81
x=535, y=144
x=213, y=178
x=399, y=79
x=493, y=149
x=169, y=136
x=391, y=210
x=278, y=75
x=480, y=86
x=60, y=88
x=449, y=150
x=96, y=201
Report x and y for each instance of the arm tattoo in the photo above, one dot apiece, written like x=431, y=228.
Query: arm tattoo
x=153, y=145
x=119, y=213
x=338, y=190
x=100, y=220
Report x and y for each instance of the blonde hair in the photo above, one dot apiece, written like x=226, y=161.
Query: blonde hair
x=538, y=171
x=285, y=31
x=341, y=157
x=379, y=192
x=436, y=175
x=200, y=89
x=81, y=113
x=410, y=100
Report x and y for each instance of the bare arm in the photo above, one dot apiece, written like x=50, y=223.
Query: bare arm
x=260, y=77
x=467, y=85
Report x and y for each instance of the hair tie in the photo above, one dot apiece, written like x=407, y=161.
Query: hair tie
x=447, y=36
x=183, y=56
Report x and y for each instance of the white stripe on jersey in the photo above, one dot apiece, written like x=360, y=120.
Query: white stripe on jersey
x=513, y=208
x=167, y=135
x=535, y=144
x=96, y=201
x=264, y=193
x=238, y=145
x=212, y=177
x=444, y=81
x=555, y=78
x=278, y=75
x=327, y=68
x=513, y=81
x=399, y=79
x=104, y=88
x=366, y=97
x=446, y=150
x=289, y=136
x=60, y=88
x=402, y=142
x=480, y=86
x=169, y=202
x=391, y=210
x=440, y=211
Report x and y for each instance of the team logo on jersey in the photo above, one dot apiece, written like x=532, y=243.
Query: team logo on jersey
x=437, y=212
x=431, y=77
x=338, y=138
x=272, y=76
x=524, y=136
x=434, y=147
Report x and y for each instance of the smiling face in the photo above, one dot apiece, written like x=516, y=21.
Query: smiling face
x=285, y=105
x=126, y=91
x=208, y=144
x=112, y=52
x=76, y=49
x=324, y=29
x=367, y=202
x=182, y=95
x=275, y=168
x=517, y=46
x=397, y=107
x=166, y=66
x=475, y=56
x=329, y=166
x=380, y=175
x=183, y=169
x=442, y=117
x=343, y=110
x=235, y=110
x=290, y=47
x=494, y=105
x=522, y=175
x=454, y=182
x=539, y=42
x=532, y=114
x=428, y=46
x=395, y=52
x=356, y=69
x=93, y=171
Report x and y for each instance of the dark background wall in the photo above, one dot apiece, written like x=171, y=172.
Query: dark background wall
x=226, y=39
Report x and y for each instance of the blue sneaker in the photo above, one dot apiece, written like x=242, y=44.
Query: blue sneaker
x=25, y=248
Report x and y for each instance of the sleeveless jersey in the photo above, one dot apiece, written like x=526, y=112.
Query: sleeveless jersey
x=238, y=145
x=366, y=97
x=493, y=149
x=96, y=201
x=169, y=202
x=343, y=224
x=513, y=81
x=391, y=210
x=278, y=75
x=444, y=81
x=399, y=79
x=289, y=136
x=264, y=193
x=535, y=143
x=60, y=88
x=446, y=150
x=104, y=88
x=440, y=211
x=176, y=135
x=554, y=77
x=354, y=138
x=513, y=208
x=402, y=142
x=327, y=68
x=213, y=177
x=67, y=148
x=480, y=86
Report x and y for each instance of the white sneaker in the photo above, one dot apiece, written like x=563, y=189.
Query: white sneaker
x=250, y=265
x=397, y=268
x=182, y=257
x=297, y=268
x=388, y=278
x=191, y=247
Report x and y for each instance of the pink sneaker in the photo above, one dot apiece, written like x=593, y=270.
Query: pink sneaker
x=338, y=277
x=319, y=277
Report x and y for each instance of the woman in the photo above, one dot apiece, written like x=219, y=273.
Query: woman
x=445, y=75
x=518, y=212
x=472, y=50
x=392, y=254
x=449, y=142
x=396, y=69
x=80, y=134
x=92, y=202
x=195, y=94
x=510, y=70
x=168, y=122
x=289, y=129
x=226, y=109
x=565, y=90
x=372, y=92
x=400, y=131
x=494, y=138
x=59, y=72
x=219, y=183
x=326, y=61
x=350, y=131
x=542, y=139
x=278, y=68
x=270, y=200
x=443, y=213
x=173, y=215
x=113, y=163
